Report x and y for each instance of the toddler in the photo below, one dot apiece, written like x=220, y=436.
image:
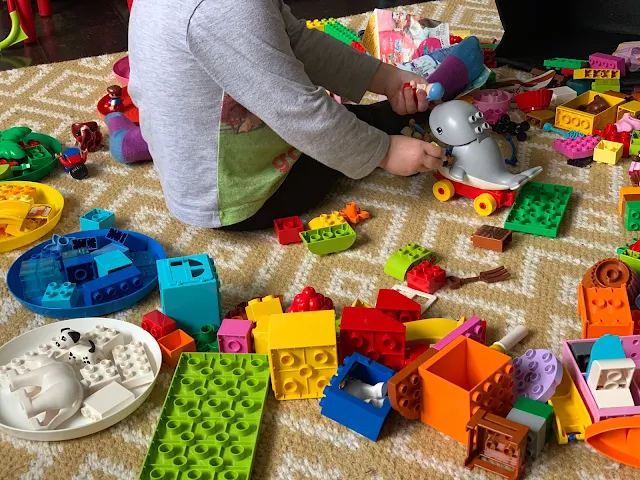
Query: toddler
x=235, y=113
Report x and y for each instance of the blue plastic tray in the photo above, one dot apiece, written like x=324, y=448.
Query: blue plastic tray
x=149, y=281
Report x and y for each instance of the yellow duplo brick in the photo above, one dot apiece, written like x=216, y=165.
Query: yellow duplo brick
x=259, y=308
x=260, y=335
x=325, y=220
x=303, y=355
x=608, y=152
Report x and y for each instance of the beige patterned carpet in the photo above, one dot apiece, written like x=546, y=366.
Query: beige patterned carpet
x=296, y=441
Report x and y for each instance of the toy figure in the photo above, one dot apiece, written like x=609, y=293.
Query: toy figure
x=85, y=353
x=73, y=161
x=88, y=136
x=115, y=97
x=478, y=160
x=60, y=395
x=67, y=339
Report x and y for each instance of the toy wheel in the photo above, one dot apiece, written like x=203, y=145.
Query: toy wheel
x=443, y=190
x=485, y=204
x=79, y=171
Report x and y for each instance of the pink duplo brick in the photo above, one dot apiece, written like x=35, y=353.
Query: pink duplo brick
x=575, y=148
x=472, y=329
x=604, y=61
x=234, y=336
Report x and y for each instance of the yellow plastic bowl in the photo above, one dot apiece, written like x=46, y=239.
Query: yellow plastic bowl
x=45, y=195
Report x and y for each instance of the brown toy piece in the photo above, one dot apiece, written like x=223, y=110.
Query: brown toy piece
x=613, y=273
x=404, y=387
x=353, y=213
x=499, y=274
x=87, y=135
x=598, y=105
x=492, y=238
x=496, y=444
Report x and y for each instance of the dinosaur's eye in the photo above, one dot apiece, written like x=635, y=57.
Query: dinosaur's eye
x=439, y=130
x=479, y=115
x=486, y=126
x=478, y=130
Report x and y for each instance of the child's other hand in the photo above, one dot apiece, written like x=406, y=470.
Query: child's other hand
x=407, y=156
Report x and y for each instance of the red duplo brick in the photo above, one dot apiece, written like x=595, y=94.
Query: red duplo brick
x=426, y=277
x=158, y=324
x=397, y=306
x=288, y=230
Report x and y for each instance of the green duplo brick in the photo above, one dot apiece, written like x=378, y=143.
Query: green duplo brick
x=540, y=409
x=210, y=421
x=632, y=215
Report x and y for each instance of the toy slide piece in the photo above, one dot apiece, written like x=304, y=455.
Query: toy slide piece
x=617, y=438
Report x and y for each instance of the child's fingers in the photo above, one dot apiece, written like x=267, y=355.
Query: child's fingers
x=431, y=163
x=410, y=100
x=423, y=103
x=434, y=151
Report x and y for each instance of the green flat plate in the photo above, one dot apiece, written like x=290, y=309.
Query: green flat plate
x=44, y=169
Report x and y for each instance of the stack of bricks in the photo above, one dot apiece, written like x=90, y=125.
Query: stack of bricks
x=629, y=207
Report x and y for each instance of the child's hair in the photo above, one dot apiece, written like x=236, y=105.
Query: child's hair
x=114, y=90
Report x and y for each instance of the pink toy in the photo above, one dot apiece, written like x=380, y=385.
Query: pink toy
x=121, y=70
x=627, y=123
x=633, y=167
x=472, y=328
x=537, y=375
x=493, y=116
x=575, y=148
x=485, y=100
x=631, y=347
x=234, y=336
x=602, y=60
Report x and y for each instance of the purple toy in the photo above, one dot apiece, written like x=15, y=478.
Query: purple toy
x=537, y=374
x=575, y=148
x=472, y=329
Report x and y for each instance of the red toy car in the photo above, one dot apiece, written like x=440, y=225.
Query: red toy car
x=73, y=161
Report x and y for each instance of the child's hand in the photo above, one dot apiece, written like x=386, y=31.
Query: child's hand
x=407, y=156
x=390, y=82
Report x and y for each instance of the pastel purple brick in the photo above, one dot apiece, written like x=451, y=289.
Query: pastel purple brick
x=537, y=374
x=575, y=148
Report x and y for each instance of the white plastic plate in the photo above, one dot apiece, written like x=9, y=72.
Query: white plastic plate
x=14, y=422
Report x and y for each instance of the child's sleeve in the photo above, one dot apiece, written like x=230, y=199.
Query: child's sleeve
x=245, y=47
x=336, y=66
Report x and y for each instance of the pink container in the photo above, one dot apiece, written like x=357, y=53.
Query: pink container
x=491, y=100
x=121, y=70
x=631, y=347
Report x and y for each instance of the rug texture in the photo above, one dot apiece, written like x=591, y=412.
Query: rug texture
x=296, y=442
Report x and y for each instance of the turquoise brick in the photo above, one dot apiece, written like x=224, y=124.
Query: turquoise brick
x=210, y=422
x=97, y=219
x=538, y=209
x=580, y=86
x=190, y=291
x=110, y=262
x=61, y=295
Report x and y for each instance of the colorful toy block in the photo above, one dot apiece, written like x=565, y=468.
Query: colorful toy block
x=604, y=310
x=559, y=63
x=145, y=262
x=405, y=387
x=538, y=209
x=190, y=291
x=106, y=401
x=108, y=248
x=90, y=243
x=536, y=434
x=537, y=374
x=397, y=306
x=356, y=413
x=426, y=277
x=377, y=336
x=61, y=295
x=288, y=230
x=302, y=353
x=472, y=328
x=471, y=376
x=561, y=95
x=111, y=262
x=411, y=293
x=97, y=219
x=158, y=324
x=80, y=269
x=496, y=444
x=492, y=238
x=569, y=117
x=603, y=60
x=328, y=240
x=607, y=347
x=634, y=147
x=582, y=353
x=324, y=221
x=571, y=417
x=234, y=336
x=340, y=32
x=607, y=152
x=260, y=336
x=99, y=375
x=175, y=344
x=610, y=382
x=37, y=274
x=135, y=244
x=405, y=258
x=263, y=308
x=112, y=287
x=133, y=364
x=606, y=86
x=539, y=409
x=206, y=338
x=596, y=74
x=105, y=339
x=629, y=207
x=61, y=243
x=352, y=211
x=210, y=421
x=575, y=148
x=632, y=108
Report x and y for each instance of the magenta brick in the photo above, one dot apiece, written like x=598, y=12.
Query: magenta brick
x=472, y=329
x=234, y=336
x=604, y=61
x=575, y=148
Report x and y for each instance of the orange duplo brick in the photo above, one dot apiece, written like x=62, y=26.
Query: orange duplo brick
x=404, y=387
x=461, y=379
x=496, y=444
x=173, y=345
x=627, y=194
x=604, y=311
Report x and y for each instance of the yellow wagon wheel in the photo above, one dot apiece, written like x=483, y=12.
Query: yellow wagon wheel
x=485, y=204
x=443, y=190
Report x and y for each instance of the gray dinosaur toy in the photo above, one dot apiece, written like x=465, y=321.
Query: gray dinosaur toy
x=478, y=160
